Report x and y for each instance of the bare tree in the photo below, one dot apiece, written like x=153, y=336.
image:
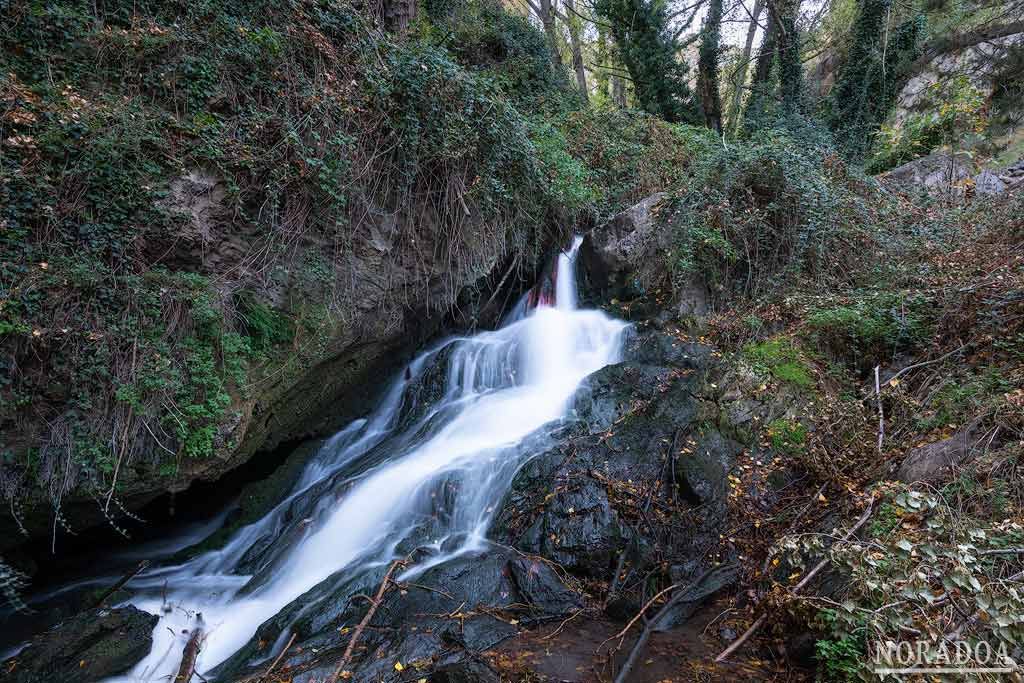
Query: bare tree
x=739, y=77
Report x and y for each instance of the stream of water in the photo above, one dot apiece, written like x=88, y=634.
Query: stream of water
x=423, y=473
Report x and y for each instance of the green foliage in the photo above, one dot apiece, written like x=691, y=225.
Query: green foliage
x=484, y=37
x=840, y=659
x=871, y=326
x=958, y=114
x=871, y=75
x=649, y=51
x=787, y=436
x=929, y=567
x=569, y=180
x=630, y=155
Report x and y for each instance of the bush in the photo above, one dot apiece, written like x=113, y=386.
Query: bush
x=779, y=209
x=870, y=327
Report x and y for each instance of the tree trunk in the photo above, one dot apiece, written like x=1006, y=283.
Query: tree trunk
x=576, y=45
x=791, y=80
x=398, y=14
x=740, y=77
x=619, y=91
x=602, y=76
x=762, y=68
x=707, y=68
x=547, y=19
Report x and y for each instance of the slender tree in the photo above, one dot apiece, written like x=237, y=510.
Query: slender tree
x=760, y=82
x=739, y=78
x=545, y=11
x=707, y=67
x=573, y=23
x=602, y=75
x=790, y=70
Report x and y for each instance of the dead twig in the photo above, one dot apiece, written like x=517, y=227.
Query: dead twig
x=277, y=659
x=374, y=604
x=139, y=568
x=649, y=625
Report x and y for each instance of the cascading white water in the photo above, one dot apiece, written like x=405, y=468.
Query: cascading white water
x=375, y=485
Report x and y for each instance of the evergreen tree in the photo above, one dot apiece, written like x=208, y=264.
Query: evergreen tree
x=707, y=67
x=648, y=51
x=871, y=76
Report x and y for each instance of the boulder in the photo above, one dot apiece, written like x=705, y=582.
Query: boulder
x=932, y=462
x=617, y=258
x=988, y=183
x=87, y=648
x=936, y=173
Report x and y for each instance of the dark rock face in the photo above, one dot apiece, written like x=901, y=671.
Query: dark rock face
x=432, y=621
x=586, y=501
x=85, y=649
x=617, y=258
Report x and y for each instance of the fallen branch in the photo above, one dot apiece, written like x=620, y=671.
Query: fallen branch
x=759, y=622
x=638, y=646
x=187, y=669
x=120, y=584
x=374, y=604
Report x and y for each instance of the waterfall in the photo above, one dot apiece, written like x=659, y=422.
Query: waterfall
x=424, y=472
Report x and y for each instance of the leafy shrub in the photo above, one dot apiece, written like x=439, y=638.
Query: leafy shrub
x=756, y=216
x=870, y=327
x=632, y=155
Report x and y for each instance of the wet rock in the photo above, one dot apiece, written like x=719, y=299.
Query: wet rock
x=701, y=474
x=441, y=617
x=578, y=503
x=470, y=671
x=931, y=462
x=85, y=649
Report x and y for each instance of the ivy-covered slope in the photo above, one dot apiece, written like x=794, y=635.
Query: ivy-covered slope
x=223, y=220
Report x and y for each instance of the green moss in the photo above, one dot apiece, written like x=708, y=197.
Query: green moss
x=787, y=436
x=782, y=359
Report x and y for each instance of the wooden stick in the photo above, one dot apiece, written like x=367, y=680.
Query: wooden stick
x=190, y=655
x=759, y=622
x=881, y=415
x=120, y=584
x=374, y=604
